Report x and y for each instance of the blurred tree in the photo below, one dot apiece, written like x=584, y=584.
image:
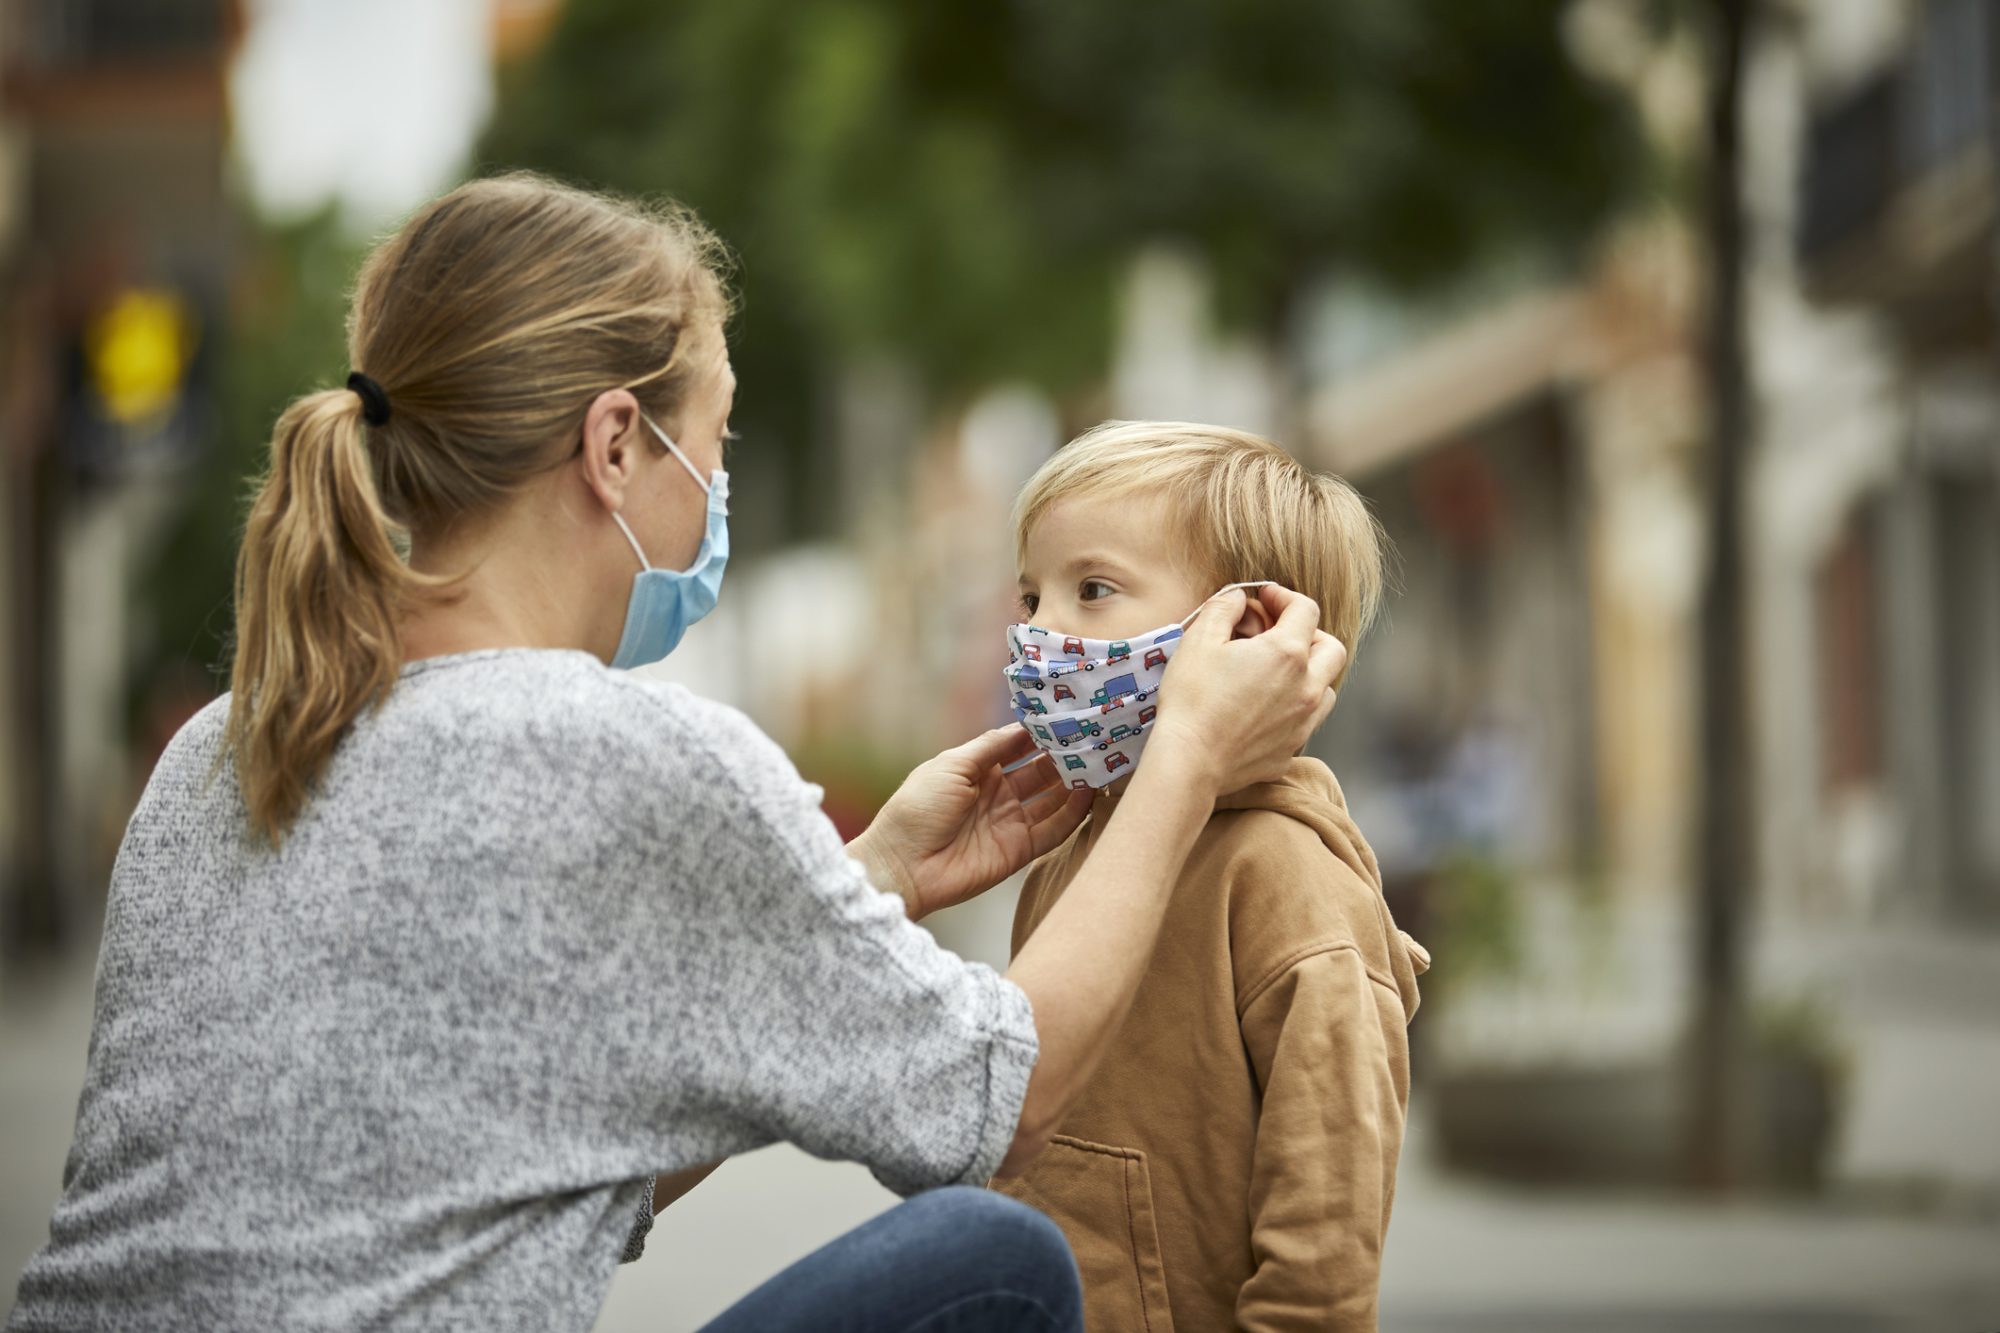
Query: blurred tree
x=283, y=337
x=961, y=187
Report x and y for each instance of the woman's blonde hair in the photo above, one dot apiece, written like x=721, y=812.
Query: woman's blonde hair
x=491, y=320
x=1238, y=508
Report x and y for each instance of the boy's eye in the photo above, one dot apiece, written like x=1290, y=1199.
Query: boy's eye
x=1084, y=592
x=1028, y=604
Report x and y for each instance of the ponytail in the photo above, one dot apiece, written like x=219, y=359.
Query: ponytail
x=319, y=587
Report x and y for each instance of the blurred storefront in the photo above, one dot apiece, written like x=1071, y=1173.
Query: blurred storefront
x=114, y=241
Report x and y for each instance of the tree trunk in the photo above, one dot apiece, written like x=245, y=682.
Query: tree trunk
x=1717, y=1121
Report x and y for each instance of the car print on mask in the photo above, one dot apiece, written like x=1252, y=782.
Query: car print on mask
x=1115, y=761
x=1118, y=733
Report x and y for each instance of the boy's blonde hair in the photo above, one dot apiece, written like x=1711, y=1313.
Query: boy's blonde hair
x=1240, y=508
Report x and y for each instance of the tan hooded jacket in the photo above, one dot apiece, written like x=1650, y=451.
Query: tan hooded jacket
x=1232, y=1162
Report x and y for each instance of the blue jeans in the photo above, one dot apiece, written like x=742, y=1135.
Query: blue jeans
x=957, y=1260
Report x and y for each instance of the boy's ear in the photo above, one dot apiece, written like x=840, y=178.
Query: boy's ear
x=1254, y=620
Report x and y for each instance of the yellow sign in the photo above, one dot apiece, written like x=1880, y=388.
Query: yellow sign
x=138, y=351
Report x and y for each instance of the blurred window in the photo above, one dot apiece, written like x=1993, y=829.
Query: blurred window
x=68, y=33
x=1850, y=667
x=1948, y=103
x=1850, y=166
x=1968, y=513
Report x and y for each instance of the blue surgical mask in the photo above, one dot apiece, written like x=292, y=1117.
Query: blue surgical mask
x=665, y=601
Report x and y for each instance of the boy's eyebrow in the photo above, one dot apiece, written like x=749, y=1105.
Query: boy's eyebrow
x=1095, y=560
x=1088, y=560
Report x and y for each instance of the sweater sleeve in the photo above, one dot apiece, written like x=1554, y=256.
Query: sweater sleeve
x=1328, y=1044
x=826, y=1017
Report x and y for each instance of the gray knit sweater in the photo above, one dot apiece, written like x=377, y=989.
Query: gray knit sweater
x=543, y=930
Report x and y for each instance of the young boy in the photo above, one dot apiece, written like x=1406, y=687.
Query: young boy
x=1232, y=1162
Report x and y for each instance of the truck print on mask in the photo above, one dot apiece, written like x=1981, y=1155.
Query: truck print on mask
x=1070, y=729
x=1118, y=688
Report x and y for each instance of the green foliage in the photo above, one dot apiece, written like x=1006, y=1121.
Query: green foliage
x=1477, y=926
x=962, y=185
x=1802, y=1026
x=859, y=776
x=283, y=338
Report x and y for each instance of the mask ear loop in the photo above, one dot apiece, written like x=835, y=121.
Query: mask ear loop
x=1227, y=587
x=619, y=519
x=675, y=449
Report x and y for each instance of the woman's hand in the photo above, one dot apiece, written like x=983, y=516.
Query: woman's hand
x=959, y=824
x=1234, y=711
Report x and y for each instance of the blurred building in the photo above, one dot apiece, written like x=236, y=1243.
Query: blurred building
x=113, y=248
x=1518, y=739
x=1531, y=702
x=1882, y=659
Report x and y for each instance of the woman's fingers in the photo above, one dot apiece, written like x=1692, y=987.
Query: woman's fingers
x=1043, y=803
x=1327, y=660
x=1038, y=774
x=1289, y=668
x=1298, y=614
x=1323, y=668
x=1215, y=619
x=1321, y=709
x=1057, y=820
x=1002, y=745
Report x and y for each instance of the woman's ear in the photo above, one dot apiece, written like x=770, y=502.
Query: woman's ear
x=610, y=446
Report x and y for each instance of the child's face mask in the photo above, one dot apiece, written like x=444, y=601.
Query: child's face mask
x=1090, y=703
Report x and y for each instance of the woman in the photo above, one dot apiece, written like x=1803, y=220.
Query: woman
x=436, y=939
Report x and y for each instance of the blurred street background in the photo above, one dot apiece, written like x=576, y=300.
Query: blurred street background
x=1662, y=335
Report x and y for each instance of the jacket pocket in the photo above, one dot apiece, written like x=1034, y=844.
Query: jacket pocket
x=1102, y=1198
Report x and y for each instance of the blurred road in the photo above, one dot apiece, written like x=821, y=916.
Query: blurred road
x=1462, y=1257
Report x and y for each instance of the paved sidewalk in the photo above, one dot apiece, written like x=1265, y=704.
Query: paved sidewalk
x=44, y=1036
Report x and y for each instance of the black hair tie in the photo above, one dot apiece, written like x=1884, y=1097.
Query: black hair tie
x=374, y=399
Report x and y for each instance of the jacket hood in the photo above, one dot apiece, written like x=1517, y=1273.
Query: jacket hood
x=1309, y=793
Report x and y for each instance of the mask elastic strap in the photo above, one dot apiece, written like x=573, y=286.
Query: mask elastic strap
x=686, y=462
x=619, y=519
x=1227, y=587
